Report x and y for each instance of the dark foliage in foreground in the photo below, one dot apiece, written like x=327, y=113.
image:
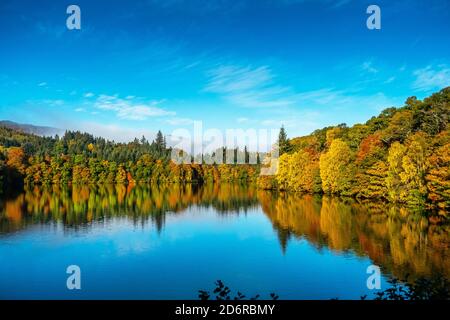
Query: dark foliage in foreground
x=222, y=292
x=437, y=288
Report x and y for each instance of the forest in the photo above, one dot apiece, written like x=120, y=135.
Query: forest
x=81, y=158
x=400, y=156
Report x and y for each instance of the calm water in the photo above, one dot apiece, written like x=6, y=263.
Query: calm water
x=168, y=243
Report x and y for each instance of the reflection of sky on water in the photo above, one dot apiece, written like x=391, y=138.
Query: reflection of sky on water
x=121, y=259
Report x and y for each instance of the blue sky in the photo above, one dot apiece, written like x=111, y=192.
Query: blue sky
x=136, y=67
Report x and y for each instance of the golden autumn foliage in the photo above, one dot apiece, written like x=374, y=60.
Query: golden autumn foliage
x=381, y=231
x=405, y=180
x=369, y=148
x=438, y=176
x=399, y=156
x=298, y=171
x=393, y=180
x=336, y=168
x=16, y=159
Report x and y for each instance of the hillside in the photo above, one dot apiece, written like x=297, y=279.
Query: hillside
x=401, y=155
x=32, y=129
x=81, y=158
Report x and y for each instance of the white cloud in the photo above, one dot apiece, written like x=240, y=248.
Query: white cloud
x=114, y=132
x=340, y=3
x=391, y=79
x=80, y=109
x=47, y=102
x=242, y=120
x=431, y=78
x=368, y=66
x=225, y=6
x=277, y=123
x=131, y=109
x=88, y=95
x=42, y=84
x=51, y=30
x=341, y=100
x=301, y=111
x=248, y=87
x=179, y=121
x=299, y=122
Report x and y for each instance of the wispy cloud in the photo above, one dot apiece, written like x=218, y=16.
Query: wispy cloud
x=248, y=87
x=42, y=84
x=343, y=100
x=111, y=131
x=340, y=3
x=179, y=121
x=257, y=87
x=52, y=30
x=390, y=80
x=232, y=5
x=242, y=120
x=431, y=78
x=277, y=123
x=131, y=109
x=88, y=95
x=46, y=103
x=368, y=67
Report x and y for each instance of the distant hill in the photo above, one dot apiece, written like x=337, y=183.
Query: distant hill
x=29, y=128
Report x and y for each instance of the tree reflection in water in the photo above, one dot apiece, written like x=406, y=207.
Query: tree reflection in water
x=404, y=244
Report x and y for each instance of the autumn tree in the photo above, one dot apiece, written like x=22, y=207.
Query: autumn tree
x=407, y=168
x=2, y=175
x=298, y=172
x=336, y=168
x=16, y=159
x=395, y=168
x=414, y=169
x=438, y=177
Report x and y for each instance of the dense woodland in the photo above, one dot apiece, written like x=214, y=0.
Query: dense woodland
x=81, y=158
x=401, y=155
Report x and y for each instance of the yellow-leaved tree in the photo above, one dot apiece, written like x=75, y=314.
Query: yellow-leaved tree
x=438, y=176
x=337, y=168
x=393, y=180
x=298, y=172
x=407, y=167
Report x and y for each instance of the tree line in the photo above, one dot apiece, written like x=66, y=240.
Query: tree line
x=81, y=158
x=401, y=156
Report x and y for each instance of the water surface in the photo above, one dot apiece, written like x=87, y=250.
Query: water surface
x=169, y=242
